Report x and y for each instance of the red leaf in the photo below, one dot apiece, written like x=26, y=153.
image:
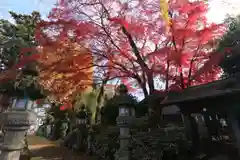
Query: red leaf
x=66, y=106
x=160, y=52
x=27, y=59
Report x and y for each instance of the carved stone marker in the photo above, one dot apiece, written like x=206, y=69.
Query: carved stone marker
x=16, y=123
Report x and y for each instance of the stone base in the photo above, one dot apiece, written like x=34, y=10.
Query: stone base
x=10, y=155
x=25, y=157
x=123, y=154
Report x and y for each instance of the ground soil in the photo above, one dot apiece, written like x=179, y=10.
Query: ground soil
x=43, y=149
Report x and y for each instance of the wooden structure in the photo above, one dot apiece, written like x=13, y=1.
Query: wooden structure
x=220, y=97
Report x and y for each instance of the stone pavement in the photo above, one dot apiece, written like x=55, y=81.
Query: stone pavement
x=43, y=149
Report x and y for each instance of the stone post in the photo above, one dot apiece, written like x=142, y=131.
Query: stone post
x=236, y=131
x=16, y=123
x=124, y=122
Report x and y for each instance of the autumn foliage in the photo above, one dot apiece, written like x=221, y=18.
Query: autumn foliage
x=65, y=69
x=128, y=41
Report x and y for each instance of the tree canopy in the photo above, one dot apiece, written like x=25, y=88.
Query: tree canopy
x=136, y=48
x=105, y=40
x=15, y=39
x=64, y=70
x=17, y=36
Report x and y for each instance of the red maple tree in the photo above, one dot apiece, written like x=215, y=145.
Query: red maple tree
x=128, y=40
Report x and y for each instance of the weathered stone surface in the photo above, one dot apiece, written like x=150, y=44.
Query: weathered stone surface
x=18, y=118
x=14, y=155
x=16, y=123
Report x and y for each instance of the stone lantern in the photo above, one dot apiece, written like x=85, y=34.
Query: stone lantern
x=16, y=123
x=17, y=120
x=125, y=119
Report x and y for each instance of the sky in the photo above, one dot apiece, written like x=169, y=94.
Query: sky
x=25, y=6
x=218, y=8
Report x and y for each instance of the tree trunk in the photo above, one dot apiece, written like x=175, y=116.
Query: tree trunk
x=167, y=76
x=144, y=88
x=150, y=82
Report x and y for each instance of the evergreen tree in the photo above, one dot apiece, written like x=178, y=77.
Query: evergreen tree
x=16, y=41
x=230, y=45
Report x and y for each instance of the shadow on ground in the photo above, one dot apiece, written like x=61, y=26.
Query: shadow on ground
x=56, y=153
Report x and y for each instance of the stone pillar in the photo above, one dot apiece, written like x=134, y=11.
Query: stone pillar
x=123, y=153
x=236, y=131
x=48, y=130
x=187, y=125
x=16, y=123
x=192, y=132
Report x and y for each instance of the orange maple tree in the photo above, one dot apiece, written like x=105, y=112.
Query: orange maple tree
x=65, y=69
